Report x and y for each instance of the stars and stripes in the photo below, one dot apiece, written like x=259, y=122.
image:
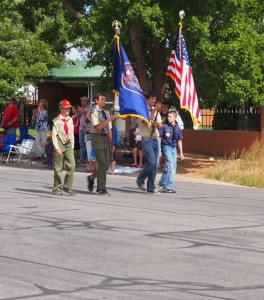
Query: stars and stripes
x=180, y=71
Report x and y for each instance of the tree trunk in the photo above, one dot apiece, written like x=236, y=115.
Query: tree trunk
x=72, y=10
x=159, y=62
x=140, y=65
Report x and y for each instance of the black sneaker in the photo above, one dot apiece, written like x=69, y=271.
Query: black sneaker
x=171, y=191
x=102, y=192
x=141, y=186
x=90, y=185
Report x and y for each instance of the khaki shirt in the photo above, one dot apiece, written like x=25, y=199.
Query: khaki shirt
x=145, y=130
x=55, y=134
x=97, y=118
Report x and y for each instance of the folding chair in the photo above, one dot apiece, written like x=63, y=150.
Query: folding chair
x=25, y=148
x=10, y=139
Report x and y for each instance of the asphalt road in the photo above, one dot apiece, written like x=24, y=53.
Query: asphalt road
x=205, y=242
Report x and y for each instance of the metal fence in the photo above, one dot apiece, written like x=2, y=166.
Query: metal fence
x=232, y=119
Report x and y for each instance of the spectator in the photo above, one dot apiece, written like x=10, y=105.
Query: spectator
x=40, y=115
x=113, y=154
x=10, y=120
x=48, y=150
x=137, y=151
x=76, y=124
x=83, y=110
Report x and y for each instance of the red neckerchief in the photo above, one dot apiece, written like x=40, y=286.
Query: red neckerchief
x=65, y=124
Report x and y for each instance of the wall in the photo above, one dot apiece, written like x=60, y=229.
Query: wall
x=221, y=142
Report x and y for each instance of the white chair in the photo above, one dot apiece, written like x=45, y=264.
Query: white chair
x=25, y=149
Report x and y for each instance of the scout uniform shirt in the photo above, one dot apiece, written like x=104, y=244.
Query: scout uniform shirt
x=98, y=116
x=170, y=134
x=145, y=130
x=58, y=132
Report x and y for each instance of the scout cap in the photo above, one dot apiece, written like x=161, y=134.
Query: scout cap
x=65, y=104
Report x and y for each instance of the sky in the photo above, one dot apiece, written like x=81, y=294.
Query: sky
x=74, y=54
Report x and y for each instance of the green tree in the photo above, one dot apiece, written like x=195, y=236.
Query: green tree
x=23, y=55
x=224, y=38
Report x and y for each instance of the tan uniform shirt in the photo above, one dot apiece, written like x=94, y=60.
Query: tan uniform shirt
x=145, y=130
x=55, y=135
x=97, y=118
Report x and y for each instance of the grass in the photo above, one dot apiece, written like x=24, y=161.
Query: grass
x=246, y=170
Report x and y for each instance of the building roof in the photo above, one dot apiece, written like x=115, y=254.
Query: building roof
x=76, y=71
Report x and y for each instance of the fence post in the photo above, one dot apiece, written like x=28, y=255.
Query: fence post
x=262, y=124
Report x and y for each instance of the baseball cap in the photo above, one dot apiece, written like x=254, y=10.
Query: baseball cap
x=85, y=98
x=65, y=104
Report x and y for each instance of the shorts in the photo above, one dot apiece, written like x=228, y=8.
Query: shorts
x=138, y=145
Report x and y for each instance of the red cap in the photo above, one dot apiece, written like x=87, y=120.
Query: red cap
x=65, y=104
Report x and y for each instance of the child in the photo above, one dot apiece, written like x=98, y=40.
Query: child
x=137, y=148
x=48, y=150
x=171, y=136
x=87, y=140
x=63, y=142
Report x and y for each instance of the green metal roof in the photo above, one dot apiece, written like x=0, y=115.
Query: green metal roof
x=76, y=71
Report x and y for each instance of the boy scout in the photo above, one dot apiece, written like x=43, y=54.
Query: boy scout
x=63, y=142
x=101, y=133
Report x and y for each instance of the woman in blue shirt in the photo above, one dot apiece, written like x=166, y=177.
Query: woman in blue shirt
x=40, y=115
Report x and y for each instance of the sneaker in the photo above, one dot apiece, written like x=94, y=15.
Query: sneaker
x=102, y=192
x=57, y=192
x=69, y=192
x=163, y=189
x=90, y=185
x=141, y=186
x=156, y=192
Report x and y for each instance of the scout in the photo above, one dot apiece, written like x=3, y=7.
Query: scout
x=101, y=124
x=63, y=142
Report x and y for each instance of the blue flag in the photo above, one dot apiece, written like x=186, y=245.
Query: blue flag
x=131, y=97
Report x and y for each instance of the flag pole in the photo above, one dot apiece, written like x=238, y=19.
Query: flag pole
x=181, y=15
x=116, y=26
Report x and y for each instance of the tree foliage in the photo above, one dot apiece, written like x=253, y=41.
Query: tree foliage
x=224, y=38
x=225, y=41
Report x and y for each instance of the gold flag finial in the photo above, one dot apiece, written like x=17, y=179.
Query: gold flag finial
x=181, y=15
x=117, y=26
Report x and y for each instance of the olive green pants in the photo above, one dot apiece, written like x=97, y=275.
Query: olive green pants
x=102, y=154
x=67, y=153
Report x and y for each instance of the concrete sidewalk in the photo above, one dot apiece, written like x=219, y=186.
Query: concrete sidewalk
x=204, y=242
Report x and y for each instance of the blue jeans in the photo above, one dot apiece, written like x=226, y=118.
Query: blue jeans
x=152, y=152
x=82, y=145
x=11, y=130
x=170, y=155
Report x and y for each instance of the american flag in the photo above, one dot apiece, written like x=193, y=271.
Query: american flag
x=180, y=71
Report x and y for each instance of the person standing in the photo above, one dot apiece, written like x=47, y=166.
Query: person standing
x=10, y=120
x=41, y=116
x=63, y=142
x=151, y=144
x=76, y=124
x=101, y=124
x=171, y=136
x=83, y=110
